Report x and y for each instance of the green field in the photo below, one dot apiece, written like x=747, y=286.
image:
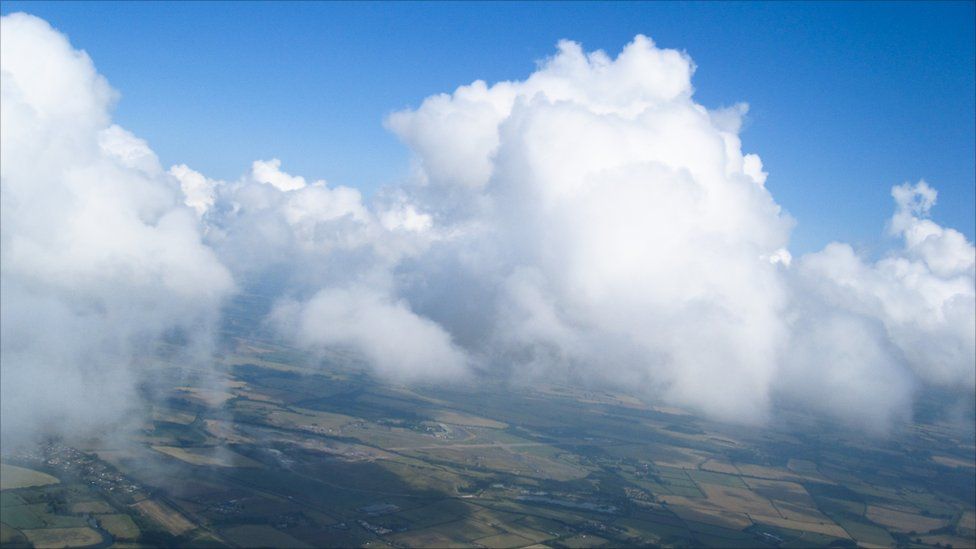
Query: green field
x=122, y=527
x=295, y=453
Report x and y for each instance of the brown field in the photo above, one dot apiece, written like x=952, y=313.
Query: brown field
x=93, y=507
x=345, y=450
x=255, y=407
x=430, y=537
x=459, y=418
x=204, y=539
x=320, y=421
x=827, y=528
x=760, y=471
x=12, y=477
x=682, y=458
x=260, y=535
x=687, y=502
x=174, y=416
x=801, y=513
x=738, y=500
x=166, y=516
x=216, y=456
x=900, y=521
x=712, y=515
x=583, y=540
x=224, y=430
x=500, y=457
x=120, y=526
x=790, y=492
x=470, y=528
x=54, y=538
x=500, y=541
x=207, y=397
x=968, y=520
x=531, y=534
x=252, y=395
x=718, y=466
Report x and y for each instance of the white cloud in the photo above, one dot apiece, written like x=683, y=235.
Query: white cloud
x=456, y=135
x=198, y=190
x=591, y=221
x=945, y=251
x=391, y=337
x=842, y=365
x=405, y=216
x=99, y=258
x=638, y=220
x=923, y=295
x=269, y=171
x=297, y=243
x=608, y=225
x=128, y=150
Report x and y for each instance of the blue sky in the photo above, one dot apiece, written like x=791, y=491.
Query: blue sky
x=847, y=99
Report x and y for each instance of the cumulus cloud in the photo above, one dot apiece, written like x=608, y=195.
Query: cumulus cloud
x=922, y=294
x=325, y=260
x=866, y=333
x=198, y=190
x=391, y=337
x=592, y=222
x=611, y=227
x=621, y=231
x=100, y=260
x=269, y=171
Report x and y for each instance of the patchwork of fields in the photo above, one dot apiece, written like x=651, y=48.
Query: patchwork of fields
x=278, y=449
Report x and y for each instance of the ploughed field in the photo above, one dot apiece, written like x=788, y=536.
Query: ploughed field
x=274, y=448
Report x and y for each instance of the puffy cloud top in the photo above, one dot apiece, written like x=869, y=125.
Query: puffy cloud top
x=613, y=213
x=99, y=259
x=923, y=295
x=591, y=221
x=268, y=171
x=456, y=135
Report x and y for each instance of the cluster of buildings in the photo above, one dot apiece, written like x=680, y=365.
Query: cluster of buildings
x=73, y=462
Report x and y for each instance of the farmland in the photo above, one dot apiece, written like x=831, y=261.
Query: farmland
x=275, y=447
x=12, y=477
